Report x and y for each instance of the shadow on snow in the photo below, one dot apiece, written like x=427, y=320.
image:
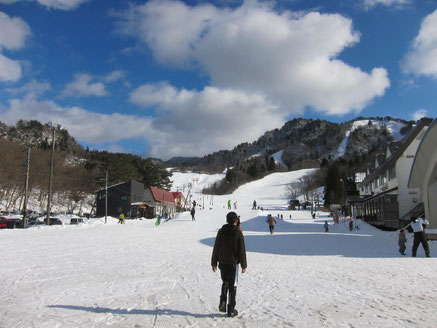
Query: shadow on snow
x=134, y=311
x=306, y=239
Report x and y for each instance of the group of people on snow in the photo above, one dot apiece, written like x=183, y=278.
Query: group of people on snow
x=229, y=253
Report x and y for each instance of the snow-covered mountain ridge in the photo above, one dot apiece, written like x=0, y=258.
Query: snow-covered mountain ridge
x=304, y=142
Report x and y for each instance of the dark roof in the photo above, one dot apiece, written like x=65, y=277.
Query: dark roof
x=380, y=159
x=394, y=146
x=403, y=145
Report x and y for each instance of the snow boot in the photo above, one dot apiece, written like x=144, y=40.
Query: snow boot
x=223, y=298
x=232, y=312
x=222, y=306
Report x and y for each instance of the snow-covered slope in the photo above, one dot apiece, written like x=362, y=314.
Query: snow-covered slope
x=394, y=127
x=141, y=275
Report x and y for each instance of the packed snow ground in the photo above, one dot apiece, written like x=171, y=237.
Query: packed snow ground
x=141, y=275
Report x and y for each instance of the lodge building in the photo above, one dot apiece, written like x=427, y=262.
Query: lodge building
x=387, y=200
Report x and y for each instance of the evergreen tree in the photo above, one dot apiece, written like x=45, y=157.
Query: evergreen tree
x=252, y=170
x=334, y=186
x=272, y=165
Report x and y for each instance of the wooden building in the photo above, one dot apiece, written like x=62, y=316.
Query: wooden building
x=120, y=198
x=133, y=200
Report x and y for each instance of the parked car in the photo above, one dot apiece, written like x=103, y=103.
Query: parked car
x=31, y=214
x=293, y=204
x=9, y=222
x=34, y=223
x=76, y=220
x=54, y=221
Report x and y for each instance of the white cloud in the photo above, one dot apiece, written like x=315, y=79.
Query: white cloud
x=170, y=28
x=83, y=85
x=54, y=4
x=179, y=130
x=84, y=125
x=10, y=70
x=419, y=114
x=422, y=56
x=33, y=89
x=114, y=76
x=62, y=4
x=13, y=32
x=290, y=59
x=180, y=123
x=369, y=4
x=13, y=35
x=193, y=123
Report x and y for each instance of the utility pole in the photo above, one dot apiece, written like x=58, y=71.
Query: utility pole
x=106, y=197
x=26, y=189
x=51, y=177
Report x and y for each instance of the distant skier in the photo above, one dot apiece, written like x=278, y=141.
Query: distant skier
x=419, y=235
x=158, y=220
x=402, y=241
x=254, y=205
x=271, y=221
x=235, y=205
x=351, y=225
x=121, y=218
x=229, y=251
x=194, y=203
x=326, y=225
x=229, y=204
x=193, y=212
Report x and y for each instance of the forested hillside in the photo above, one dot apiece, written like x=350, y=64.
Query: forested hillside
x=77, y=174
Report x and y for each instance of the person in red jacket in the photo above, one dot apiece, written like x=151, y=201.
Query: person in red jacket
x=229, y=251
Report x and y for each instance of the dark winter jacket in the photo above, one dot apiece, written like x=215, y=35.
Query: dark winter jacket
x=271, y=220
x=229, y=247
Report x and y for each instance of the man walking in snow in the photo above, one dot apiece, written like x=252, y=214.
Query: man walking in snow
x=326, y=225
x=271, y=221
x=229, y=251
x=419, y=235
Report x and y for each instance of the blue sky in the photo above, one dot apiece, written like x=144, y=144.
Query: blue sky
x=187, y=78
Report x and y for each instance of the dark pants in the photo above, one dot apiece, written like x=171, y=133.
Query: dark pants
x=228, y=273
x=402, y=248
x=271, y=228
x=420, y=237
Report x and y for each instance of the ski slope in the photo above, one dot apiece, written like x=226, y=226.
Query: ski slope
x=140, y=275
x=393, y=128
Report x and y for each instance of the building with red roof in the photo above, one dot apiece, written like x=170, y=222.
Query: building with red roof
x=134, y=200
